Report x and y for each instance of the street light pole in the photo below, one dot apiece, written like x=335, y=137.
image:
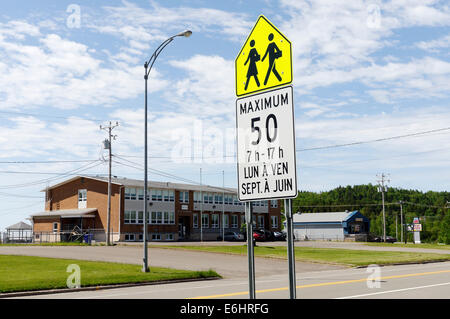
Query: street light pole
x=223, y=206
x=148, y=66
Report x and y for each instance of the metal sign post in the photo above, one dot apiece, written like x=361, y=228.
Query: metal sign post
x=250, y=250
x=265, y=129
x=290, y=248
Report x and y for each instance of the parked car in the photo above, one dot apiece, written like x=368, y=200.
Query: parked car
x=379, y=239
x=232, y=236
x=390, y=239
x=374, y=238
x=268, y=235
x=278, y=235
x=258, y=235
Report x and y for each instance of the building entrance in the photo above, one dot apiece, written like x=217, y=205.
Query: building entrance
x=184, y=223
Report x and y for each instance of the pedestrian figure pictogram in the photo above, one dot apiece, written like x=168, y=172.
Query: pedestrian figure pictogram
x=264, y=61
x=274, y=53
x=253, y=57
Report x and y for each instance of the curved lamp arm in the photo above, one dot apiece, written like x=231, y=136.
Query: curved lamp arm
x=149, y=64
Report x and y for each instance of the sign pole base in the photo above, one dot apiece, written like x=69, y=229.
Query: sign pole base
x=250, y=250
x=290, y=248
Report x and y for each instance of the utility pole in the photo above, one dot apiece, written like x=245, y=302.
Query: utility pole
x=107, y=145
x=201, y=207
x=396, y=227
x=383, y=188
x=401, y=219
x=223, y=206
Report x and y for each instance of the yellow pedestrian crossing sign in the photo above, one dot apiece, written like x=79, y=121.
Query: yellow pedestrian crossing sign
x=265, y=60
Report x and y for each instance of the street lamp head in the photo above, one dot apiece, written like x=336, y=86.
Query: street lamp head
x=186, y=34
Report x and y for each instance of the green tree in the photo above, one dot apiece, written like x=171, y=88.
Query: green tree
x=444, y=231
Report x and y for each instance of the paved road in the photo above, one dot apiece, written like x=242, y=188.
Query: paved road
x=313, y=280
x=319, y=244
x=425, y=281
x=229, y=266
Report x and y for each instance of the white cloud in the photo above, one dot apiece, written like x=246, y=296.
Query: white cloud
x=61, y=73
x=333, y=43
x=18, y=29
x=435, y=45
x=157, y=22
x=370, y=127
x=28, y=137
x=209, y=87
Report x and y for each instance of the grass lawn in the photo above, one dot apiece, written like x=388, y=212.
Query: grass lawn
x=348, y=257
x=411, y=245
x=52, y=244
x=22, y=273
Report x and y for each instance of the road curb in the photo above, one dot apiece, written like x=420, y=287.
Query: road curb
x=103, y=287
x=407, y=263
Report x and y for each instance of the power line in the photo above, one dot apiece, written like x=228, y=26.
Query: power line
x=373, y=141
x=423, y=205
x=52, y=116
x=17, y=208
x=343, y=205
x=40, y=173
x=165, y=174
x=43, y=181
x=311, y=148
x=20, y=196
x=48, y=162
x=368, y=205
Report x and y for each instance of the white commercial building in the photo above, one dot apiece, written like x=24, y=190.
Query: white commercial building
x=330, y=226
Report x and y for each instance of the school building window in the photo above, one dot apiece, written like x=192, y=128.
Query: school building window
x=195, y=220
x=225, y=221
x=215, y=221
x=130, y=217
x=208, y=198
x=168, y=195
x=140, y=217
x=197, y=197
x=274, y=220
x=184, y=197
x=205, y=220
x=167, y=218
x=82, y=198
x=157, y=195
x=218, y=199
x=234, y=221
x=260, y=221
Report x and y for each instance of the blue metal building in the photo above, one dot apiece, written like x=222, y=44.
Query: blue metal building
x=337, y=226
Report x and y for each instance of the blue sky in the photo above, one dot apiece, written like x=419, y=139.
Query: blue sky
x=363, y=70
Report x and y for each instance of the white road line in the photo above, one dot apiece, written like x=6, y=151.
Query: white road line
x=391, y=291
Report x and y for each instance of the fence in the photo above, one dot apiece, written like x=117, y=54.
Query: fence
x=89, y=236
x=16, y=237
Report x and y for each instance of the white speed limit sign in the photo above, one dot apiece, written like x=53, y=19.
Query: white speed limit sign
x=266, y=145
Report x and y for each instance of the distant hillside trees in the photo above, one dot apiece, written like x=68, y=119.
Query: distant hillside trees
x=430, y=207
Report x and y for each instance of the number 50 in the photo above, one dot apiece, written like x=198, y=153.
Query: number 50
x=270, y=137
